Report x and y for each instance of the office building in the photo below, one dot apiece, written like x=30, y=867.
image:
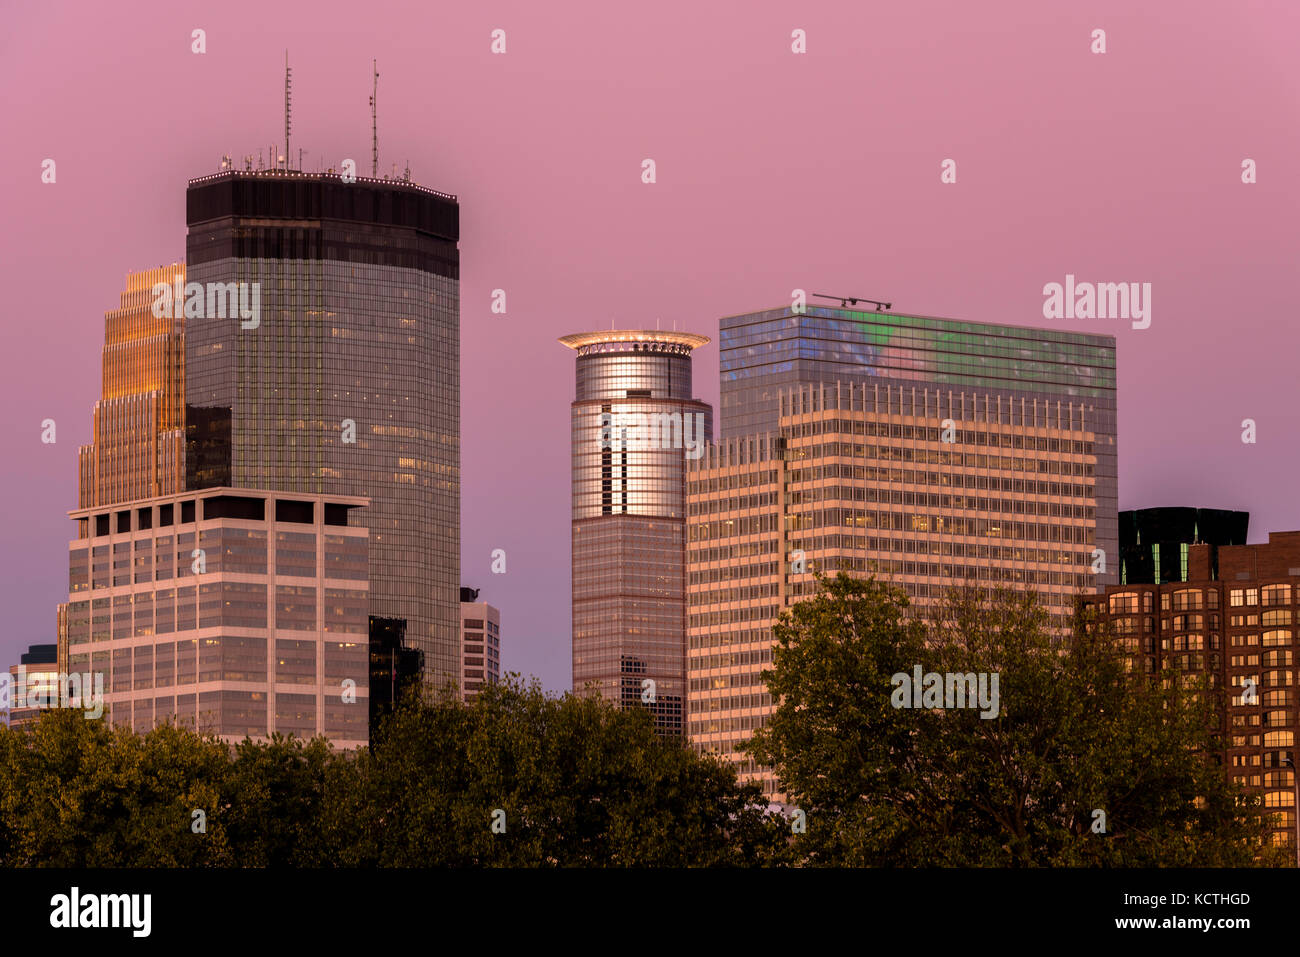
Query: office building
x=33, y=684
x=925, y=489
x=1154, y=542
x=480, y=630
x=327, y=363
x=235, y=611
x=763, y=354
x=635, y=425
x=138, y=445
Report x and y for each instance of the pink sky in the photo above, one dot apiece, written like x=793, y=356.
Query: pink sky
x=775, y=171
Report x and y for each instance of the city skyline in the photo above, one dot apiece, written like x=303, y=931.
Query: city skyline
x=1028, y=208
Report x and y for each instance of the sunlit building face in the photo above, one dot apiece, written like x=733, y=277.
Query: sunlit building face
x=634, y=427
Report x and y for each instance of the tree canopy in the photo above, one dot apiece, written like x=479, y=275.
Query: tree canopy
x=1084, y=763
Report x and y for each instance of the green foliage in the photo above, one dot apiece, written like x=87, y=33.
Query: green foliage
x=579, y=782
x=1076, y=733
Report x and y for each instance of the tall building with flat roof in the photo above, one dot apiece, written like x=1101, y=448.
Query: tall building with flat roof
x=344, y=376
x=762, y=354
x=1154, y=543
x=480, y=628
x=236, y=611
x=635, y=425
x=1234, y=620
x=923, y=488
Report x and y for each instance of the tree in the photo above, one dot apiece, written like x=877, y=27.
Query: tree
x=568, y=781
x=1075, y=737
x=78, y=793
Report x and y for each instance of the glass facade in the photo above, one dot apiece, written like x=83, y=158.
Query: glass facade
x=634, y=426
x=138, y=448
x=349, y=382
x=764, y=353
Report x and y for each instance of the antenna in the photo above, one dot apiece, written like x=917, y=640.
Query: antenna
x=374, y=124
x=288, y=87
x=851, y=301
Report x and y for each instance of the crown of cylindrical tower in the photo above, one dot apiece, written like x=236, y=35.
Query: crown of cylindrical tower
x=633, y=363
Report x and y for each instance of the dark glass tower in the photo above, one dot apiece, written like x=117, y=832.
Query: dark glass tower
x=348, y=381
x=765, y=353
x=1154, y=542
x=629, y=516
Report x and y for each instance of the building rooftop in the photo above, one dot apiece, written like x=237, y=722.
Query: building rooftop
x=580, y=340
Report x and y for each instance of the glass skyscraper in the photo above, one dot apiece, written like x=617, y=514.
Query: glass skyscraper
x=765, y=353
x=634, y=426
x=138, y=449
x=347, y=381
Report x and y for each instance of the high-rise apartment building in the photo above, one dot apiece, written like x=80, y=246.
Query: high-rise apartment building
x=1154, y=543
x=235, y=611
x=924, y=488
x=762, y=354
x=480, y=629
x=635, y=425
x=138, y=445
x=1237, y=624
x=340, y=375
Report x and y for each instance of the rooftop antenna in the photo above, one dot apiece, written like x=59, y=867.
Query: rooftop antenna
x=288, y=87
x=851, y=301
x=407, y=175
x=374, y=124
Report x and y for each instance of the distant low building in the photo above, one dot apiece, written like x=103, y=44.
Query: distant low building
x=480, y=641
x=33, y=684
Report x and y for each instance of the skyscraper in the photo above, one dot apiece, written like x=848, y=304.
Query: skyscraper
x=343, y=378
x=922, y=489
x=765, y=353
x=634, y=425
x=138, y=448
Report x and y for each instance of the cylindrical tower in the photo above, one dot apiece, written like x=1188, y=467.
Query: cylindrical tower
x=634, y=425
